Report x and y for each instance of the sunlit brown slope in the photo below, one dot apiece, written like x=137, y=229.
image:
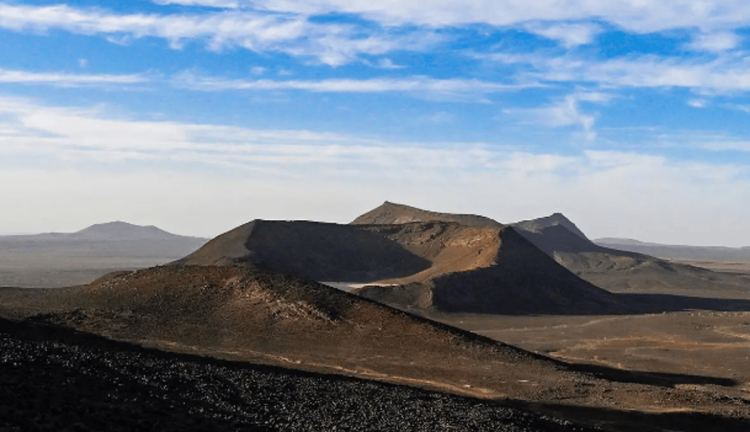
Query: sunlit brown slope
x=621, y=271
x=238, y=313
x=392, y=213
x=485, y=270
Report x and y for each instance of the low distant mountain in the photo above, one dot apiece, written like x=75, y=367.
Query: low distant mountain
x=109, y=231
x=63, y=259
x=437, y=264
x=620, y=270
x=679, y=252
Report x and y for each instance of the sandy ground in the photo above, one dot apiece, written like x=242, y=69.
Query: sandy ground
x=727, y=267
x=707, y=343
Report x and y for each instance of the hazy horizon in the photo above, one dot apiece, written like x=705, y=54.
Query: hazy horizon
x=645, y=242
x=196, y=116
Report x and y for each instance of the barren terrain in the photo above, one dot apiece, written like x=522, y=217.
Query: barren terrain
x=223, y=338
x=56, y=260
x=237, y=314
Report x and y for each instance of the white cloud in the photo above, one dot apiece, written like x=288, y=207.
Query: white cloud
x=461, y=89
x=69, y=80
x=565, y=112
x=332, y=44
x=715, y=42
x=206, y=179
x=724, y=74
x=727, y=145
x=632, y=15
x=387, y=63
x=84, y=136
x=257, y=70
x=569, y=35
x=697, y=103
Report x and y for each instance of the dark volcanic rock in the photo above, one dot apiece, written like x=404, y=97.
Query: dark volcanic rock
x=54, y=379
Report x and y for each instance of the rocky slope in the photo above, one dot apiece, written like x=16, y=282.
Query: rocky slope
x=54, y=379
x=256, y=317
x=391, y=213
x=485, y=270
x=623, y=271
x=440, y=265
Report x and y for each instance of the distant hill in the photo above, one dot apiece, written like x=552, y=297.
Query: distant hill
x=118, y=231
x=63, y=259
x=437, y=265
x=679, y=252
x=109, y=231
x=621, y=270
x=554, y=220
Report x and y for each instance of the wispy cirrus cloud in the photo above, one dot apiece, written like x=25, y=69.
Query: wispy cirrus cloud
x=84, y=136
x=715, y=42
x=630, y=15
x=564, y=112
x=261, y=31
x=69, y=80
x=456, y=88
x=723, y=74
x=569, y=35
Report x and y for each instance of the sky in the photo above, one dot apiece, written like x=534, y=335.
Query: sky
x=630, y=117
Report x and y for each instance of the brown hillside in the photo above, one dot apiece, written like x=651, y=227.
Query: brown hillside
x=236, y=313
x=319, y=251
x=392, y=213
x=485, y=270
x=621, y=271
x=427, y=265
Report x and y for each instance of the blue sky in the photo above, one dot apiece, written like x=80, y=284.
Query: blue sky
x=630, y=117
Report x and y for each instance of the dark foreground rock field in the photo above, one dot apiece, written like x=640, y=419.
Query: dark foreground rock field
x=55, y=379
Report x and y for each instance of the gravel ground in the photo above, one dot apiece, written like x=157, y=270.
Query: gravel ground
x=54, y=379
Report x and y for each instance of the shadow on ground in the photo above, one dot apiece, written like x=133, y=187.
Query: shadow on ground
x=658, y=303
x=660, y=379
x=637, y=421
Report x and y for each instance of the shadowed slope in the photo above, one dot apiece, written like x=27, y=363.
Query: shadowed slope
x=319, y=251
x=485, y=270
x=622, y=271
x=392, y=213
x=429, y=265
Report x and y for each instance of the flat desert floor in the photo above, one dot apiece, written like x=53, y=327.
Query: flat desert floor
x=725, y=267
x=705, y=343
